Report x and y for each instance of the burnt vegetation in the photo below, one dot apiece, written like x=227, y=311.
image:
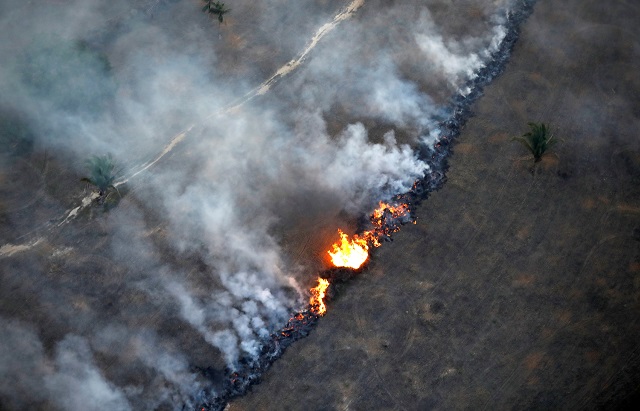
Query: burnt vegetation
x=102, y=174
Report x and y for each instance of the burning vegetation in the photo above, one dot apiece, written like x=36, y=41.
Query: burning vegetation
x=349, y=253
x=384, y=220
x=354, y=253
x=348, y=258
x=318, y=293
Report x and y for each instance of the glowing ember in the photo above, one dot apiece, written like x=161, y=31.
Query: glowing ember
x=349, y=253
x=317, y=297
x=395, y=211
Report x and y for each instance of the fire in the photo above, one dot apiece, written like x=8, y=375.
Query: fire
x=396, y=211
x=349, y=253
x=317, y=297
x=352, y=253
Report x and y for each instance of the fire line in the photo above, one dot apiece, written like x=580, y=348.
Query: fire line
x=349, y=253
x=353, y=253
x=317, y=297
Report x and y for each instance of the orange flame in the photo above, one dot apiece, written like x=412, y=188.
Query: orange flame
x=317, y=297
x=353, y=253
x=395, y=211
x=349, y=253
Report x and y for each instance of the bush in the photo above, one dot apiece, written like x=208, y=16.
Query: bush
x=537, y=141
x=103, y=175
x=217, y=8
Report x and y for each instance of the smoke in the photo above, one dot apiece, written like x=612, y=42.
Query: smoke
x=175, y=382
x=212, y=249
x=22, y=351
x=456, y=60
x=70, y=379
x=77, y=382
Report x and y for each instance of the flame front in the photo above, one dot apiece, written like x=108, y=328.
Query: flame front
x=395, y=210
x=317, y=297
x=355, y=252
x=349, y=253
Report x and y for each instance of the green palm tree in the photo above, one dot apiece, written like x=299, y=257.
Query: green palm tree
x=103, y=175
x=538, y=140
x=218, y=8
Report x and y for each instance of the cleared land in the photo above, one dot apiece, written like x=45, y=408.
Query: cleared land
x=516, y=289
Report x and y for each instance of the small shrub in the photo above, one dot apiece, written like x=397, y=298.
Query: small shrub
x=538, y=140
x=103, y=175
x=218, y=8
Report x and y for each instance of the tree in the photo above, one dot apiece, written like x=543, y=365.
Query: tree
x=103, y=175
x=537, y=141
x=218, y=8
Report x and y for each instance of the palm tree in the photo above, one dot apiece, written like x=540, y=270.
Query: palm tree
x=103, y=175
x=537, y=141
x=217, y=8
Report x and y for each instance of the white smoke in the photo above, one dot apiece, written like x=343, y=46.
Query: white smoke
x=205, y=240
x=77, y=382
x=457, y=60
x=176, y=383
x=195, y=314
x=21, y=351
x=71, y=379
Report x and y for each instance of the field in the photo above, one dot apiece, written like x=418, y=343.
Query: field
x=517, y=288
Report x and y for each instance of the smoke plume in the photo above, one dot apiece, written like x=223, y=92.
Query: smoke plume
x=212, y=248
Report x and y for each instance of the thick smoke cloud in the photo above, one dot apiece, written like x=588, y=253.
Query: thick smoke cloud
x=70, y=380
x=77, y=382
x=203, y=258
x=21, y=350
